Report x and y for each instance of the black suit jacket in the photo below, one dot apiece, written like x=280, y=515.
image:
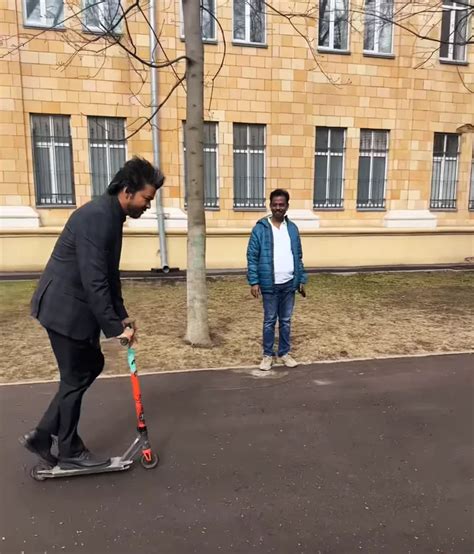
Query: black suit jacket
x=79, y=291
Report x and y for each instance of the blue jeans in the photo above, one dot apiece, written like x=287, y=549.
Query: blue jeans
x=278, y=304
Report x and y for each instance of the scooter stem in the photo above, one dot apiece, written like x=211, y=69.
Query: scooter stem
x=137, y=396
x=131, y=360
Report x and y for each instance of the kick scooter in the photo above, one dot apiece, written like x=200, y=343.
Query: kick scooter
x=148, y=459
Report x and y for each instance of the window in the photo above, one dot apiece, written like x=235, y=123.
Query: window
x=329, y=167
x=102, y=16
x=471, y=194
x=378, y=26
x=44, y=13
x=445, y=169
x=249, y=21
x=208, y=22
x=52, y=160
x=249, y=166
x=454, y=25
x=107, y=150
x=211, y=177
x=372, y=169
x=333, y=24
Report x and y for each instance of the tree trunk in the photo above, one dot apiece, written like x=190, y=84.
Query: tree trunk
x=197, y=332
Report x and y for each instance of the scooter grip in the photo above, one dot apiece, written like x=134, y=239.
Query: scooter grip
x=124, y=341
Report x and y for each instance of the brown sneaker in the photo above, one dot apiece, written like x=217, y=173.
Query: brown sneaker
x=289, y=361
x=266, y=363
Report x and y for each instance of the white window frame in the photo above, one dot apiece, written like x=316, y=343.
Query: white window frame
x=101, y=5
x=331, y=47
x=51, y=145
x=105, y=143
x=443, y=160
x=329, y=154
x=181, y=23
x=216, y=151
x=375, y=154
x=247, y=151
x=247, y=40
x=42, y=23
x=379, y=23
x=208, y=149
x=452, y=9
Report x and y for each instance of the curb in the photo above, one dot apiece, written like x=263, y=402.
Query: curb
x=180, y=275
x=252, y=368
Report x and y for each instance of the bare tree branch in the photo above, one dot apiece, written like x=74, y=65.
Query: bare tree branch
x=417, y=34
x=158, y=42
x=59, y=24
x=109, y=36
x=221, y=65
x=289, y=18
x=463, y=81
x=148, y=119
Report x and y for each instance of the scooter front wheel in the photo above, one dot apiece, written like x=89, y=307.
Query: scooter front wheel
x=35, y=473
x=150, y=464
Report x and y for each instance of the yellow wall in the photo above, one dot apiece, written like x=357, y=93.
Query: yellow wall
x=43, y=77
x=26, y=251
x=285, y=86
x=280, y=86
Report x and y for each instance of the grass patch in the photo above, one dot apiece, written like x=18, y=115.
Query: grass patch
x=343, y=316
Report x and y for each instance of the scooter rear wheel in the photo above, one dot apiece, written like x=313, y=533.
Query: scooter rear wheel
x=37, y=476
x=150, y=464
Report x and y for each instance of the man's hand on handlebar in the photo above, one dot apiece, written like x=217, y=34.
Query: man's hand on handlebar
x=128, y=336
x=129, y=322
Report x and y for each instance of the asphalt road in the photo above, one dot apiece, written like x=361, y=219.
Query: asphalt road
x=371, y=457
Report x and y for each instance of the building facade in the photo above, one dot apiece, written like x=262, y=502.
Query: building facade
x=367, y=125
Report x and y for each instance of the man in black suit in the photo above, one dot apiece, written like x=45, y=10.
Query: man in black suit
x=78, y=295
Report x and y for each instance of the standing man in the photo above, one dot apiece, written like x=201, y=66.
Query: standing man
x=78, y=295
x=275, y=270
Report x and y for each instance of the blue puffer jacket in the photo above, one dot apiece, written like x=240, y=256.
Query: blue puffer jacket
x=260, y=255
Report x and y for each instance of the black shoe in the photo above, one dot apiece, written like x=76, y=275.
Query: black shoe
x=85, y=460
x=39, y=443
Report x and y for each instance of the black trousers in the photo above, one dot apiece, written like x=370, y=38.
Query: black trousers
x=79, y=362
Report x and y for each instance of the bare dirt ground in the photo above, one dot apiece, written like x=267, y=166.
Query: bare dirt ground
x=343, y=316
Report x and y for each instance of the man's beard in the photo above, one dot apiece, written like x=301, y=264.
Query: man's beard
x=135, y=214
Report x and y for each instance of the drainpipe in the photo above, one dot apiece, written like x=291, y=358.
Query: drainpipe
x=160, y=215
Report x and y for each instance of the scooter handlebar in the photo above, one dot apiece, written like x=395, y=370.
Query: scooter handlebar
x=124, y=341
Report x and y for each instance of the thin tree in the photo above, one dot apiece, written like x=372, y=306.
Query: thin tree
x=197, y=321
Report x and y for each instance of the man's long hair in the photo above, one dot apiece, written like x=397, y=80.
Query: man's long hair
x=134, y=175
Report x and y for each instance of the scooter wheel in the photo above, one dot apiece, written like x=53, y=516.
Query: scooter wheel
x=151, y=463
x=37, y=476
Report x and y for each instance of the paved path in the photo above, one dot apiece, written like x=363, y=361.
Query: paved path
x=371, y=457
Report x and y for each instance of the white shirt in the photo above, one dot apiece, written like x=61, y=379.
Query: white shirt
x=283, y=263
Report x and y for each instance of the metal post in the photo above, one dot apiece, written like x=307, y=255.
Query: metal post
x=160, y=215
